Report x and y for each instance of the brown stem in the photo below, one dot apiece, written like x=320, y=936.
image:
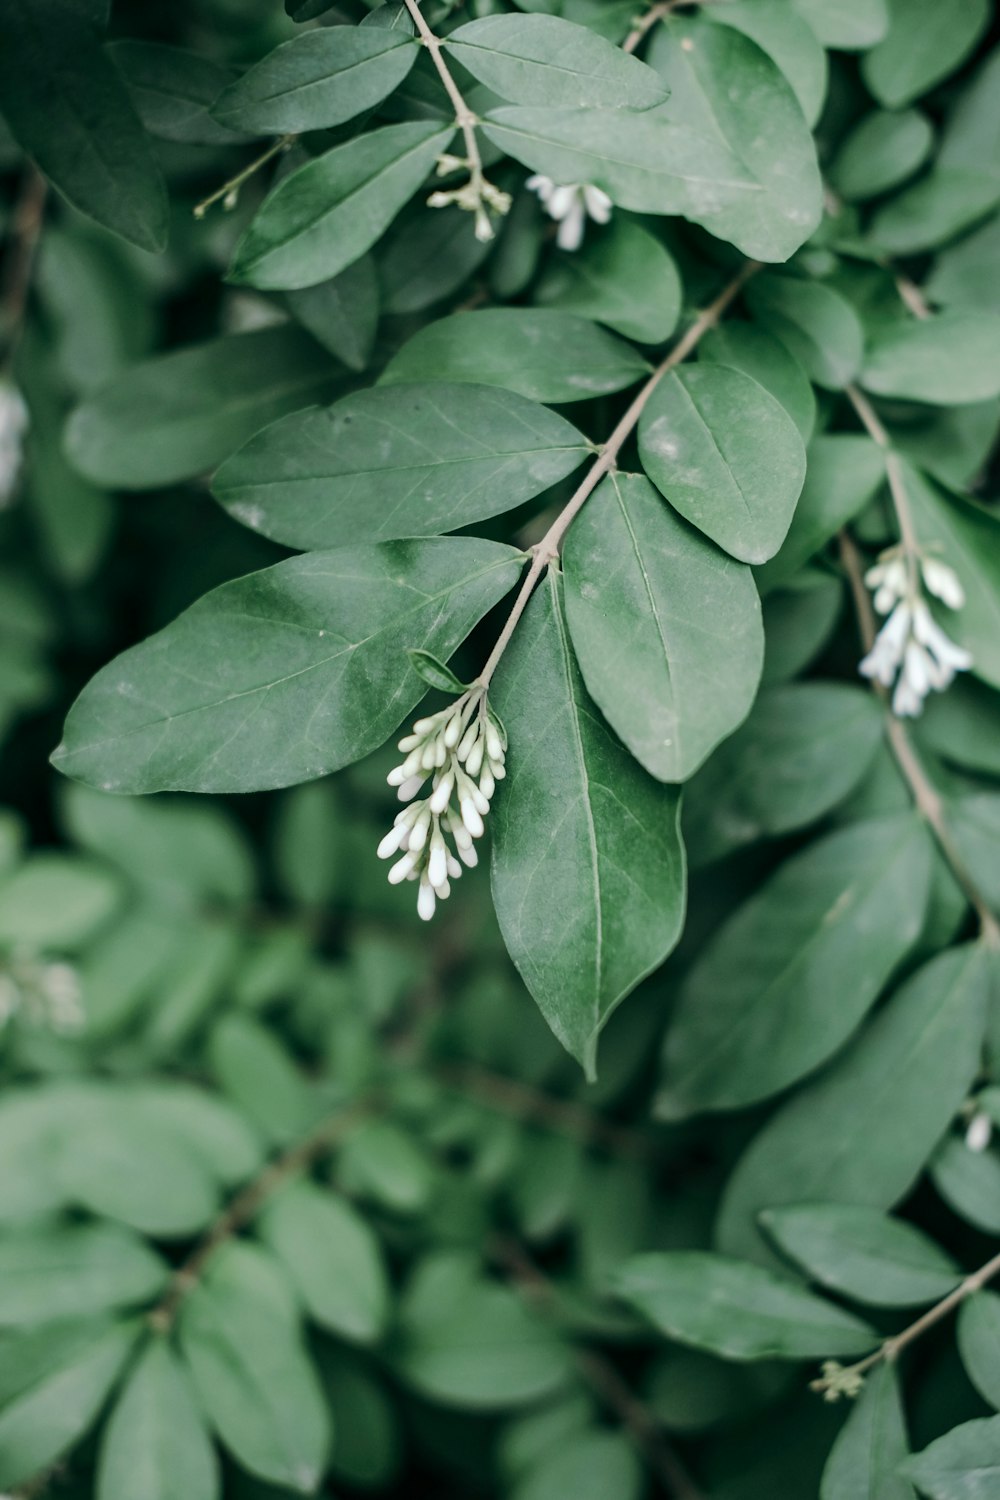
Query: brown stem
x=923, y=791
x=283, y=143
x=547, y=549
x=464, y=118
x=655, y=13
x=247, y=1203
x=603, y=1378
x=19, y=265
x=891, y=1348
x=511, y=1097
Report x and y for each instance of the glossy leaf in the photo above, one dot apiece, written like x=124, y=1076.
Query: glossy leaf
x=962, y=1465
x=537, y=352
x=969, y=1182
x=871, y=1445
x=849, y=25
x=537, y=59
x=723, y=86
x=926, y=41
x=623, y=277
x=789, y=41
x=948, y=359
x=735, y=1309
x=936, y=209
x=845, y=471
x=803, y=749
x=883, y=150
x=784, y=982
x=342, y=313
x=816, y=324
x=863, y=1254
x=316, y=80
x=398, y=461
x=173, y=91
x=178, y=414
x=588, y=870
x=747, y=347
x=284, y=675
x=155, y=1444
x=726, y=454
x=863, y=1131
x=87, y=138
x=321, y=217
x=979, y=1343
x=642, y=587
x=332, y=1257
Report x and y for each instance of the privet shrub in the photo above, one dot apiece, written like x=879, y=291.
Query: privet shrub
x=601, y=406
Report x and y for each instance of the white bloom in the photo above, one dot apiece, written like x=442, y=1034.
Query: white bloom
x=979, y=1132
x=571, y=203
x=462, y=749
x=911, y=650
x=13, y=426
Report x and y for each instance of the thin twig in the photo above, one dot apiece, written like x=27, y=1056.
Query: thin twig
x=645, y=23
x=925, y=795
x=247, y=1203
x=522, y=1102
x=891, y=1348
x=229, y=189
x=603, y=1378
x=19, y=263
x=547, y=550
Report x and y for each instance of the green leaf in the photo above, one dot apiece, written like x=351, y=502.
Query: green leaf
x=963, y=277
x=397, y=461
x=125, y=1163
x=332, y=1258
x=254, y=1379
x=342, y=313
x=321, y=217
x=316, y=80
x=803, y=749
x=622, y=277
x=863, y=1131
x=963, y=726
x=67, y=106
x=927, y=40
x=789, y=41
x=967, y=537
x=782, y=984
x=62, y=1271
x=972, y=132
x=435, y=673
x=173, y=91
x=979, y=1343
x=255, y=1070
x=939, y=207
x=726, y=454
x=155, y=1444
x=428, y=257
x=748, y=348
x=588, y=869
x=589, y=1466
x=217, y=1133
x=975, y=823
x=962, y=1465
x=735, y=1309
x=849, y=25
x=969, y=1182
x=845, y=472
x=871, y=1445
x=175, y=416
x=381, y=1161
x=949, y=359
x=286, y=674
x=862, y=1254
x=816, y=324
x=883, y=150
x=546, y=355
x=60, y=1405
x=642, y=587
x=545, y=60
x=55, y=901
x=471, y=1343
x=723, y=86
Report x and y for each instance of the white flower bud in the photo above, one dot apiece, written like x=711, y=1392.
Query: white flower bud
x=393, y=841
x=441, y=795
x=979, y=1132
x=474, y=760
x=403, y=868
x=410, y=788
x=471, y=817
x=437, y=864
x=426, y=901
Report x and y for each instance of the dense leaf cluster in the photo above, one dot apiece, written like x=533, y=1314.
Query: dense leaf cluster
x=302, y=399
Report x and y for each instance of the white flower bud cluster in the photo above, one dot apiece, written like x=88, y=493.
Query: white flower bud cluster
x=13, y=426
x=461, y=751
x=477, y=196
x=911, y=650
x=571, y=204
x=44, y=993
